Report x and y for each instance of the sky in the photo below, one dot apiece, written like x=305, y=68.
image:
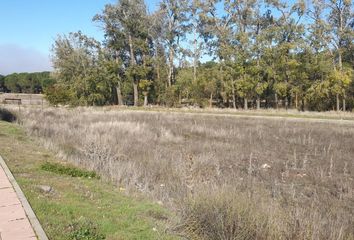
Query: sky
x=28, y=29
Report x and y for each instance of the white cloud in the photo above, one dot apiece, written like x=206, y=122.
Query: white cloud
x=14, y=58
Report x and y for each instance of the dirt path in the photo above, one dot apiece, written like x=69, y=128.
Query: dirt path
x=297, y=118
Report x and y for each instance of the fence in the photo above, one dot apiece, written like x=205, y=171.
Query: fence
x=22, y=99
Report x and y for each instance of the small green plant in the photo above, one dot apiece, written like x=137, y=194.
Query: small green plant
x=83, y=229
x=68, y=170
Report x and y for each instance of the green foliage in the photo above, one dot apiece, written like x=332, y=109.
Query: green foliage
x=184, y=83
x=257, y=56
x=58, y=94
x=68, y=170
x=281, y=88
x=340, y=80
x=27, y=82
x=84, y=229
x=171, y=97
x=2, y=83
x=145, y=86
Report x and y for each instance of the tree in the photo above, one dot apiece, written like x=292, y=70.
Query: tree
x=341, y=21
x=27, y=82
x=126, y=31
x=160, y=62
x=256, y=50
x=175, y=24
x=339, y=81
x=288, y=35
x=77, y=60
x=210, y=79
x=2, y=83
x=145, y=86
x=218, y=33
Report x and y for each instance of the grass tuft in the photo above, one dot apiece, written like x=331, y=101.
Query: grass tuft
x=84, y=229
x=68, y=170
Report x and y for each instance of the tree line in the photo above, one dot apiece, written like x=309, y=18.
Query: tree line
x=26, y=82
x=225, y=53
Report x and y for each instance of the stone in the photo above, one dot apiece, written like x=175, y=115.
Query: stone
x=45, y=188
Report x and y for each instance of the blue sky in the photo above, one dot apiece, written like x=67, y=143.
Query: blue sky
x=28, y=29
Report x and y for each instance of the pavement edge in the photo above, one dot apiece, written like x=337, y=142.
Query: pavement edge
x=41, y=235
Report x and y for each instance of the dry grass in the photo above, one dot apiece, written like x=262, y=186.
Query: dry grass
x=226, y=177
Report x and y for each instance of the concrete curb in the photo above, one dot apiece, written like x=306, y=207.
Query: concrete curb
x=41, y=235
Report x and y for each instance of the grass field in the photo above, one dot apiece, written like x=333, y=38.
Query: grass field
x=224, y=176
x=78, y=205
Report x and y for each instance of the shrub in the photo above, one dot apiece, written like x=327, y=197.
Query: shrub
x=58, y=94
x=223, y=215
x=6, y=115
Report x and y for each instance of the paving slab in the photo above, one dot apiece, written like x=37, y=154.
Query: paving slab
x=17, y=219
x=14, y=223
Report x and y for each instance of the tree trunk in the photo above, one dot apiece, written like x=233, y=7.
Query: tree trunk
x=211, y=100
x=119, y=95
x=258, y=101
x=340, y=64
x=245, y=106
x=233, y=95
x=195, y=56
x=337, y=100
x=158, y=78
x=302, y=104
x=157, y=68
x=132, y=63
x=170, y=67
x=344, y=104
x=118, y=88
x=286, y=103
x=276, y=100
x=145, y=99
x=136, y=94
x=296, y=100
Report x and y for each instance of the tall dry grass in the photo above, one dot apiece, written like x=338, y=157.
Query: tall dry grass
x=226, y=177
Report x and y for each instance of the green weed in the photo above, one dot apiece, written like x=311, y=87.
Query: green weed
x=84, y=229
x=68, y=170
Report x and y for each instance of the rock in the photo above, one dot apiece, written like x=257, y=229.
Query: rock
x=265, y=166
x=45, y=188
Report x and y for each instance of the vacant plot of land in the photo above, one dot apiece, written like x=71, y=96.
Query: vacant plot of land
x=72, y=203
x=227, y=177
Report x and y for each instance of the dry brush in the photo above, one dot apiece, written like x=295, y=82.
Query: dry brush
x=226, y=177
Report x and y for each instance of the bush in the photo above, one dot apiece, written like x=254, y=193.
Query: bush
x=223, y=215
x=6, y=115
x=170, y=97
x=58, y=94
